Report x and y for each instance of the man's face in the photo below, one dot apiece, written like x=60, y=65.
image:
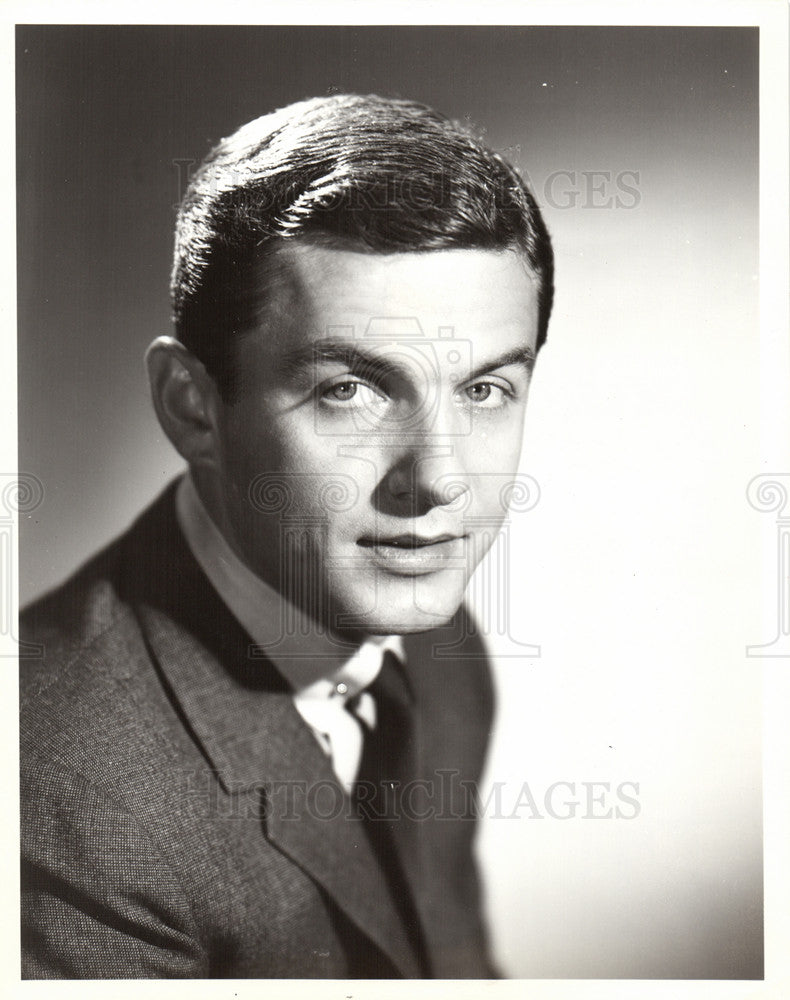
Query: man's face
x=377, y=424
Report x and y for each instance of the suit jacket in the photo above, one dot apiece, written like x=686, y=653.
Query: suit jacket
x=179, y=818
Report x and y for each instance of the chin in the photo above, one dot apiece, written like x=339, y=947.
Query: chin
x=419, y=611
x=410, y=628
x=399, y=627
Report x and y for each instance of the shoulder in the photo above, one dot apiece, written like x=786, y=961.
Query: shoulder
x=66, y=622
x=83, y=648
x=72, y=616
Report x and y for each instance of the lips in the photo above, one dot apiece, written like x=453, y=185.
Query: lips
x=415, y=555
x=407, y=541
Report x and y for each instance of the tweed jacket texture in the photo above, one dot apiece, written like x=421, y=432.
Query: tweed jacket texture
x=179, y=820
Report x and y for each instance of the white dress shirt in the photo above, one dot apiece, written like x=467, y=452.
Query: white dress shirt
x=323, y=672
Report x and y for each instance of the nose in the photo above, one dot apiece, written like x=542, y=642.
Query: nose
x=427, y=475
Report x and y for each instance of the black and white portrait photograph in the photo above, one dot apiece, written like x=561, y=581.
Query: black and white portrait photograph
x=396, y=525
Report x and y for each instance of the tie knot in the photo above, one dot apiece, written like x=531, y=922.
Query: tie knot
x=391, y=683
x=388, y=691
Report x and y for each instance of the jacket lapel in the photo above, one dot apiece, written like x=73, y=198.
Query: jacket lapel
x=320, y=830
x=241, y=712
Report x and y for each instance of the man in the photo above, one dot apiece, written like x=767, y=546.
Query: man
x=248, y=747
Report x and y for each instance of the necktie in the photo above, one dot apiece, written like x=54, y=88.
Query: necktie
x=387, y=737
x=384, y=769
x=336, y=719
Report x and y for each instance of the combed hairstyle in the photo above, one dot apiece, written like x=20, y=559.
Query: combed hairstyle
x=366, y=173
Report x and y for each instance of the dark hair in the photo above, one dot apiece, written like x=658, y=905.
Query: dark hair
x=368, y=173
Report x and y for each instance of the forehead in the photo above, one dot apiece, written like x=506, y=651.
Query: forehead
x=330, y=293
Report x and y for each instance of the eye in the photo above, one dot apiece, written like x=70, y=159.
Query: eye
x=487, y=395
x=479, y=393
x=342, y=392
x=352, y=393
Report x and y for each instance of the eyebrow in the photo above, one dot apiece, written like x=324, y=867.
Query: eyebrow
x=356, y=357
x=523, y=356
x=351, y=355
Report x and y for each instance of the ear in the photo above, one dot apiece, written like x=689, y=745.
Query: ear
x=186, y=401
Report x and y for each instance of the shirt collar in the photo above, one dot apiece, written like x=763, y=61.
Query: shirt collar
x=313, y=661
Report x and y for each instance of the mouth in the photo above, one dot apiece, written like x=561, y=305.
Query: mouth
x=407, y=541
x=414, y=555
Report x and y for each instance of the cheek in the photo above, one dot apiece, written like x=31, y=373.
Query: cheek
x=492, y=454
x=296, y=474
x=492, y=506
x=260, y=442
